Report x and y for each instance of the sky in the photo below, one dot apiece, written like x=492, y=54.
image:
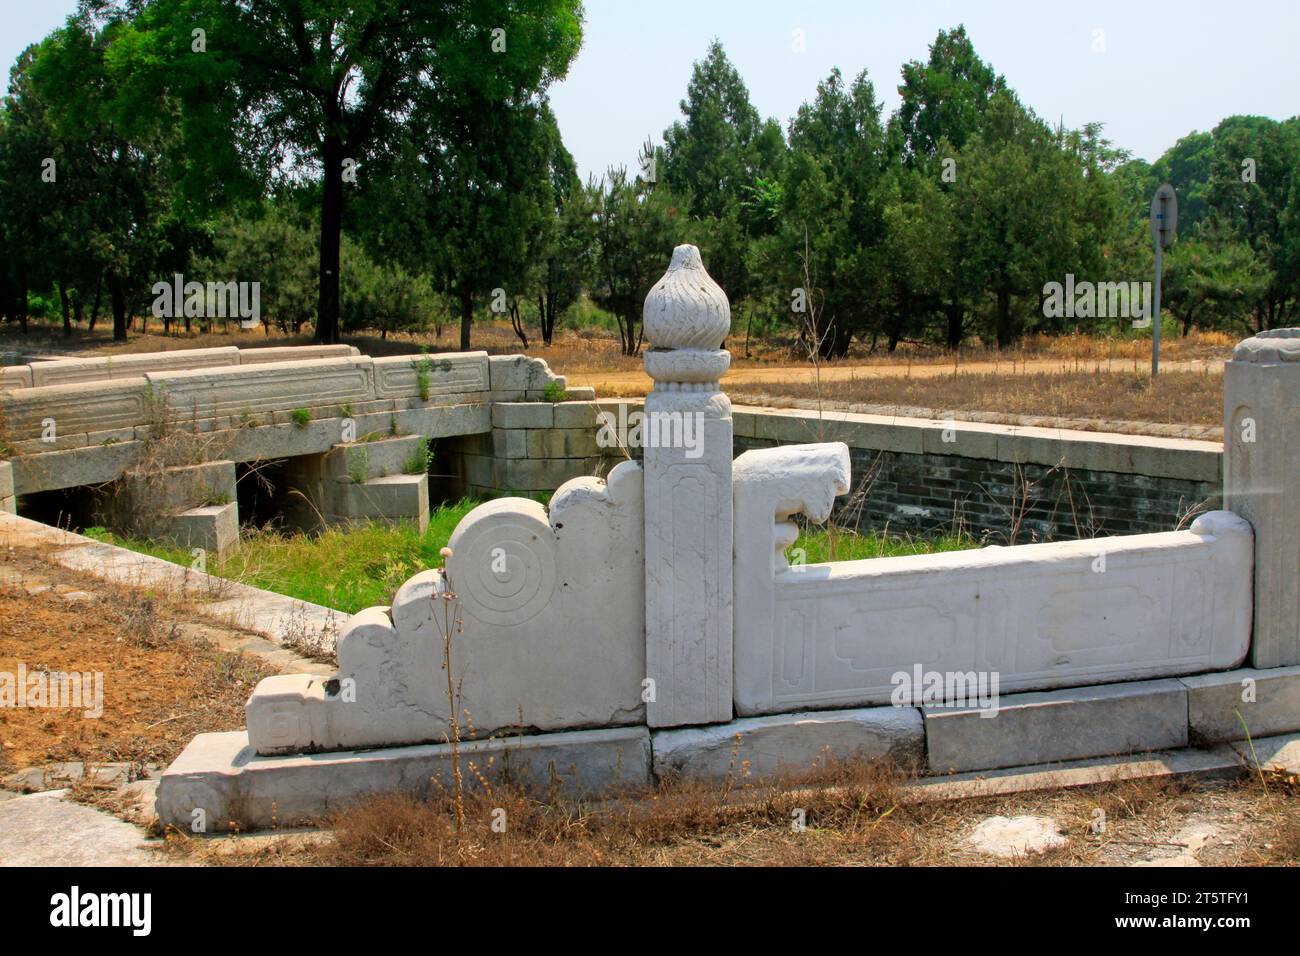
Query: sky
x=1151, y=73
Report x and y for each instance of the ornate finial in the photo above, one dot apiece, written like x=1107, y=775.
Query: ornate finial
x=1269, y=347
x=686, y=309
x=686, y=317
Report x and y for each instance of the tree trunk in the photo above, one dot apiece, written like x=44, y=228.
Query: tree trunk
x=1006, y=335
x=956, y=313
x=117, y=296
x=99, y=297
x=67, y=309
x=466, y=317
x=331, y=229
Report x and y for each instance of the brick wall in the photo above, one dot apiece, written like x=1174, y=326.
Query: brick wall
x=910, y=475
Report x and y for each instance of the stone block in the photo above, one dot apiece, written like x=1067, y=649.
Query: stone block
x=580, y=393
x=214, y=528
x=221, y=774
x=9, y=504
x=395, y=498
x=539, y=474
x=523, y=415
x=6, y=480
x=74, y=467
x=294, y=353
x=399, y=376
x=966, y=439
x=510, y=443
x=68, y=371
x=575, y=414
x=177, y=489
x=377, y=459
x=1280, y=754
x=519, y=373
x=266, y=389
x=78, y=408
x=1261, y=481
x=1096, y=721
x=762, y=747
x=16, y=376
x=1232, y=704
x=562, y=443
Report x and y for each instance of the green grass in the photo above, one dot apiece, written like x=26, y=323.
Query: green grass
x=352, y=568
x=852, y=545
x=345, y=568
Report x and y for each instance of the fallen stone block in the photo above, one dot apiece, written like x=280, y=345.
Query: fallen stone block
x=1059, y=725
x=219, y=782
x=214, y=528
x=1246, y=702
x=375, y=459
x=762, y=747
x=392, y=499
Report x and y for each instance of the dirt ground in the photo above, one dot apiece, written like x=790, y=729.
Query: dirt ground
x=163, y=681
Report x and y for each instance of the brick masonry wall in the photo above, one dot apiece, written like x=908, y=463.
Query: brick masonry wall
x=1034, y=483
x=920, y=493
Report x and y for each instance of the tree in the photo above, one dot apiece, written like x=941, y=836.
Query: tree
x=1018, y=202
x=832, y=225
x=321, y=87
x=722, y=146
x=486, y=172
x=1254, y=178
x=637, y=226
x=944, y=99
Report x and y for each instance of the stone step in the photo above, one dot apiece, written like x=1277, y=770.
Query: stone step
x=1232, y=705
x=1069, y=724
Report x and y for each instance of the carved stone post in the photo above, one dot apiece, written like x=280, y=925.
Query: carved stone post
x=686, y=436
x=1261, y=482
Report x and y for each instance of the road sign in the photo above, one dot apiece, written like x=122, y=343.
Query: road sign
x=1164, y=224
x=1164, y=215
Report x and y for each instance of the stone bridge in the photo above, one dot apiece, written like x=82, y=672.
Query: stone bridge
x=161, y=434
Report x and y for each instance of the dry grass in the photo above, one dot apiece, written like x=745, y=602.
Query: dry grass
x=1176, y=397
x=596, y=349
x=161, y=684
x=854, y=815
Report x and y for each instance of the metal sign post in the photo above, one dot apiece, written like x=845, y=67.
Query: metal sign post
x=1164, y=224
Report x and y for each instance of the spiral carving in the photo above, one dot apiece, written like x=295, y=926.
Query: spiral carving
x=503, y=568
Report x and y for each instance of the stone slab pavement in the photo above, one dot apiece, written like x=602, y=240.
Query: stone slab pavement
x=46, y=829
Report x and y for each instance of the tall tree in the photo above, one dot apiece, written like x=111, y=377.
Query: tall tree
x=321, y=86
x=830, y=242
x=637, y=226
x=944, y=99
